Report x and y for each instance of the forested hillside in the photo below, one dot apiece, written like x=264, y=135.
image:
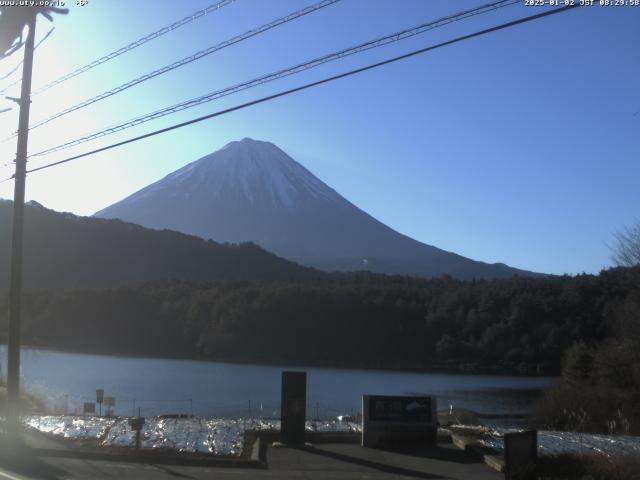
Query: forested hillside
x=66, y=251
x=518, y=324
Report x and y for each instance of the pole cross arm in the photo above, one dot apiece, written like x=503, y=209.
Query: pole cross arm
x=19, y=101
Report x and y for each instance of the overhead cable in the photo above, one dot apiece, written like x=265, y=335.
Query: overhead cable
x=395, y=37
x=141, y=41
x=189, y=59
x=308, y=85
x=15, y=69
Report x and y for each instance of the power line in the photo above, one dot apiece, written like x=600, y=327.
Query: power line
x=11, y=72
x=136, y=44
x=189, y=59
x=11, y=84
x=310, y=85
x=40, y=42
x=397, y=36
x=15, y=69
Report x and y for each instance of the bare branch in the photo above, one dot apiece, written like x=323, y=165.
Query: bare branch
x=626, y=251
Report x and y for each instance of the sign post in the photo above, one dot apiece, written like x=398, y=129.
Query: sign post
x=293, y=407
x=136, y=424
x=99, y=399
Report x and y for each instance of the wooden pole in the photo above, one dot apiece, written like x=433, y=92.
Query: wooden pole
x=15, y=293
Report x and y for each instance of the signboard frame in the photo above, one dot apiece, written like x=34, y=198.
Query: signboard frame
x=392, y=420
x=398, y=409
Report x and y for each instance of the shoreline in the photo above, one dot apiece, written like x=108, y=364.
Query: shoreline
x=467, y=369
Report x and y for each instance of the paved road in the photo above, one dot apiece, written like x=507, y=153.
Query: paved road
x=323, y=461
x=341, y=461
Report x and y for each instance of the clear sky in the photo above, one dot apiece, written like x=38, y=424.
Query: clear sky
x=521, y=146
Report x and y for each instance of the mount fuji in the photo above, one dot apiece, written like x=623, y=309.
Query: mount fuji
x=253, y=191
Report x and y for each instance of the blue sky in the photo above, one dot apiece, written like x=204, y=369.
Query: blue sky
x=521, y=146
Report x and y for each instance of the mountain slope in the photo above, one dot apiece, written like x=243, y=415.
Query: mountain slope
x=252, y=191
x=62, y=250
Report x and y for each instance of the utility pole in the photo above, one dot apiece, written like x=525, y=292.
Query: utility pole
x=15, y=293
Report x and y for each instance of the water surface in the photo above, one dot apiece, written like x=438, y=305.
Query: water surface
x=163, y=386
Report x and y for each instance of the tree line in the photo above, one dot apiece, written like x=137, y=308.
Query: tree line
x=355, y=320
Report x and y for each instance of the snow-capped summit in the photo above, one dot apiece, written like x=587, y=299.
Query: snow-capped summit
x=251, y=190
x=251, y=171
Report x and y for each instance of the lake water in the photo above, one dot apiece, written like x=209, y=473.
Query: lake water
x=165, y=386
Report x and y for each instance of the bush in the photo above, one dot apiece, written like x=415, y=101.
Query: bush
x=589, y=467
